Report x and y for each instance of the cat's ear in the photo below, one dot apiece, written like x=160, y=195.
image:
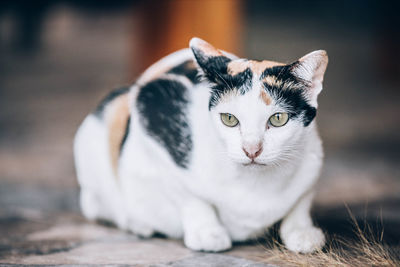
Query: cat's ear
x=211, y=61
x=311, y=68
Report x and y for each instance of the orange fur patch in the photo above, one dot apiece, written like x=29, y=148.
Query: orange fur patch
x=238, y=66
x=265, y=97
x=272, y=81
x=116, y=116
x=258, y=67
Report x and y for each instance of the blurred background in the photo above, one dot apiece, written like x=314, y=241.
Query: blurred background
x=59, y=58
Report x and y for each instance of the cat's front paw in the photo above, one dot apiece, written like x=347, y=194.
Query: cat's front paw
x=211, y=238
x=140, y=229
x=304, y=240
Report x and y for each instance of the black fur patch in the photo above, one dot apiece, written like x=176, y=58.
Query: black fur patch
x=187, y=69
x=162, y=105
x=240, y=82
x=293, y=97
x=215, y=70
x=110, y=97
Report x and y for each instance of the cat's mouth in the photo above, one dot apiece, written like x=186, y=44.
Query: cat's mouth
x=254, y=163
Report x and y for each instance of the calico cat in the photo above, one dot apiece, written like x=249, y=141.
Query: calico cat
x=207, y=147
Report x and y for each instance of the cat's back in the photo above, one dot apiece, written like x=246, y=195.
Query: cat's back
x=180, y=63
x=161, y=104
x=158, y=100
x=165, y=74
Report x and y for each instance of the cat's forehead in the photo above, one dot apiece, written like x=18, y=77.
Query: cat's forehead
x=255, y=99
x=259, y=70
x=249, y=79
x=257, y=67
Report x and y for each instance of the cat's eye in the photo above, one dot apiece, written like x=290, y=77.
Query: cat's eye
x=279, y=119
x=229, y=120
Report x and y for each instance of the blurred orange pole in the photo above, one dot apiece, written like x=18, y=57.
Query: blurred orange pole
x=166, y=26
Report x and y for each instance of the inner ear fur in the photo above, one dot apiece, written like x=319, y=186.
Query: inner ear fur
x=311, y=68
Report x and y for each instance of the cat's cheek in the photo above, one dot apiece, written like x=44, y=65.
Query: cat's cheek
x=234, y=146
x=231, y=142
x=277, y=141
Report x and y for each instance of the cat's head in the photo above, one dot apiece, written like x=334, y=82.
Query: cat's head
x=261, y=109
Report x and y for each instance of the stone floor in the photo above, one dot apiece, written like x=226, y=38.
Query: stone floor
x=45, y=95
x=68, y=239
x=50, y=231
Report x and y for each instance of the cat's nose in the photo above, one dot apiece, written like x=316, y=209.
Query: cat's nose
x=253, y=151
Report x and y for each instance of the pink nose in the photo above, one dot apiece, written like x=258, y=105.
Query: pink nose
x=253, y=151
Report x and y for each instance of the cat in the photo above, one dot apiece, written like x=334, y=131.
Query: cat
x=207, y=147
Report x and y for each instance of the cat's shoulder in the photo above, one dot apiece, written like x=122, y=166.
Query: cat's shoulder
x=162, y=100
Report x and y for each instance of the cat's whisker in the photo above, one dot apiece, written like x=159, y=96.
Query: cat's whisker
x=226, y=83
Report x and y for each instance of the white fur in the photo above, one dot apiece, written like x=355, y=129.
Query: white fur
x=216, y=200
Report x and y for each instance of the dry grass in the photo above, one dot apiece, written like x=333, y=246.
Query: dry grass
x=365, y=250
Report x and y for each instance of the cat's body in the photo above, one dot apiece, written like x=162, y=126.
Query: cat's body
x=156, y=157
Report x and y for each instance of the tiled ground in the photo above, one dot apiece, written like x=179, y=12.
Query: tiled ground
x=45, y=95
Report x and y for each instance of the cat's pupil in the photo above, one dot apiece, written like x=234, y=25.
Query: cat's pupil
x=278, y=117
x=229, y=117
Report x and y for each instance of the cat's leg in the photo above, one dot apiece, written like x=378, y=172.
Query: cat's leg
x=102, y=207
x=140, y=229
x=88, y=152
x=89, y=204
x=202, y=229
x=297, y=230
x=100, y=196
